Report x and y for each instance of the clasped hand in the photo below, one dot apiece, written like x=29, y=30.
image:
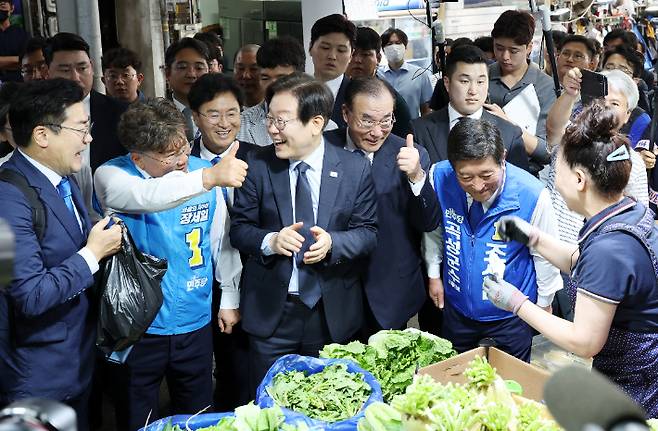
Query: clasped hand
x=288, y=241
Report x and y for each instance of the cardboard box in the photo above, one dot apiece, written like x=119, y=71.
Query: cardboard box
x=531, y=378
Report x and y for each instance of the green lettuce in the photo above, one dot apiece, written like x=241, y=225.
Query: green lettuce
x=332, y=395
x=393, y=356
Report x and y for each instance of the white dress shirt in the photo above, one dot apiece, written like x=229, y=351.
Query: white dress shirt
x=54, y=178
x=549, y=280
x=120, y=192
x=334, y=85
x=229, y=265
x=454, y=116
x=182, y=107
x=314, y=176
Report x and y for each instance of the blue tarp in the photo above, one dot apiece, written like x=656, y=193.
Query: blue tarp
x=199, y=421
x=312, y=366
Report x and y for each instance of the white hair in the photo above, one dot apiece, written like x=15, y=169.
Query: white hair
x=621, y=82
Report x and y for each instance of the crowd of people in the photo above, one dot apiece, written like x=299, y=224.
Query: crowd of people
x=295, y=211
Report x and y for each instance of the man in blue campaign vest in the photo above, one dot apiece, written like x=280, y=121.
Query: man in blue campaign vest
x=178, y=344
x=463, y=200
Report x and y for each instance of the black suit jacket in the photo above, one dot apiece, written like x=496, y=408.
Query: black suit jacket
x=431, y=131
x=243, y=149
x=393, y=283
x=105, y=114
x=337, y=113
x=346, y=210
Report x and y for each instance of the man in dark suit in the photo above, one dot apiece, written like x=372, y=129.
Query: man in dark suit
x=46, y=329
x=305, y=217
x=215, y=100
x=393, y=273
x=467, y=82
x=333, y=38
x=67, y=56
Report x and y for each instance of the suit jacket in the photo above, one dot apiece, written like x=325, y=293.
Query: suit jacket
x=346, y=210
x=431, y=131
x=394, y=274
x=105, y=113
x=243, y=150
x=47, y=332
x=337, y=113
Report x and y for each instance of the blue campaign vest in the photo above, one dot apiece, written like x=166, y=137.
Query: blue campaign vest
x=466, y=255
x=182, y=236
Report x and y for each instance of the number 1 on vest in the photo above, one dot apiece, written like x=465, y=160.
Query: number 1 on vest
x=193, y=239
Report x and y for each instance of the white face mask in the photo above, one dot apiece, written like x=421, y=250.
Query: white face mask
x=394, y=53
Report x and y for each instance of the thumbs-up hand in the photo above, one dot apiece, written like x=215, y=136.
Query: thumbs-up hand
x=409, y=161
x=229, y=172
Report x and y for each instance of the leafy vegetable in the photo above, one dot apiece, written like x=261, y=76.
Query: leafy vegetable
x=332, y=395
x=653, y=424
x=483, y=404
x=393, y=356
x=249, y=418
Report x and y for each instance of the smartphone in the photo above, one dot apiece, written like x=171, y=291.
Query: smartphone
x=593, y=86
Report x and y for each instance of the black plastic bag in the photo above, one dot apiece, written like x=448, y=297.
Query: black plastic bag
x=131, y=295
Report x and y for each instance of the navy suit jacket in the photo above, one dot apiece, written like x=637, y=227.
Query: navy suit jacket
x=337, y=113
x=394, y=274
x=347, y=210
x=47, y=332
x=431, y=131
x=105, y=113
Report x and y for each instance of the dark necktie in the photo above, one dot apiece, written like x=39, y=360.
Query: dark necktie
x=64, y=190
x=224, y=189
x=309, y=289
x=475, y=214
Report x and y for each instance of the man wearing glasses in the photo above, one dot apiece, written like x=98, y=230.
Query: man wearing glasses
x=187, y=232
x=67, y=56
x=12, y=40
x=368, y=112
x=122, y=75
x=185, y=62
x=33, y=62
x=47, y=328
x=305, y=219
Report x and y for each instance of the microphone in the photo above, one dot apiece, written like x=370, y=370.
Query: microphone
x=581, y=400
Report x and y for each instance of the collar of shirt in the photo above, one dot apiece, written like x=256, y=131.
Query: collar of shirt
x=351, y=146
x=52, y=176
x=206, y=154
x=179, y=105
x=405, y=67
x=598, y=219
x=334, y=84
x=314, y=160
x=86, y=102
x=454, y=116
x=487, y=204
x=529, y=77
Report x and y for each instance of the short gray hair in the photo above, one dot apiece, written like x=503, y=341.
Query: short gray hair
x=153, y=125
x=621, y=82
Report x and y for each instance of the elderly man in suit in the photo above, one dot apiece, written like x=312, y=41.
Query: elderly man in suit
x=47, y=331
x=467, y=82
x=393, y=273
x=305, y=217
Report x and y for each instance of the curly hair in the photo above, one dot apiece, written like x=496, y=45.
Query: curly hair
x=154, y=125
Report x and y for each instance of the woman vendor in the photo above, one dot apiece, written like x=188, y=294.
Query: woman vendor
x=614, y=268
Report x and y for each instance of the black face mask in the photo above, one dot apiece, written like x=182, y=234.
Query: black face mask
x=4, y=15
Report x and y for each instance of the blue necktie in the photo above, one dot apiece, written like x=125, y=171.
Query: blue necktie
x=64, y=190
x=475, y=215
x=224, y=189
x=309, y=289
